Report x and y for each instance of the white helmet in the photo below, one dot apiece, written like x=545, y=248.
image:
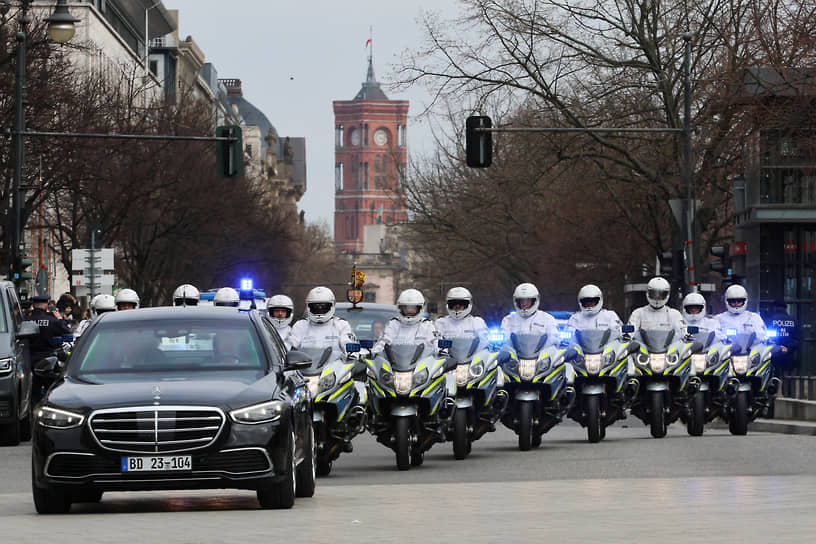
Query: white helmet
x=590, y=299
x=186, y=295
x=411, y=298
x=694, y=308
x=101, y=304
x=126, y=296
x=459, y=295
x=320, y=304
x=657, y=292
x=226, y=296
x=280, y=301
x=526, y=291
x=736, y=299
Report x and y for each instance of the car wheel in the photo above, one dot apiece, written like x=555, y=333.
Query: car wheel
x=306, y=471
x=10, y=433
x=282, y=494
x=48, y=500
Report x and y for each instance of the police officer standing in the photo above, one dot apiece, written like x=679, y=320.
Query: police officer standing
x=51, y=325
x=787, y=336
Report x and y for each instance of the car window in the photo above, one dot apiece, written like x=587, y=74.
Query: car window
x=275, y=337
x=366, y=323
x=171, y=349
x=4, y=301
x=16, y=310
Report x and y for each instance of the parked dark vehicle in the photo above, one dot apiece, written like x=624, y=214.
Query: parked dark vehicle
x=163, y=399
x=366, y=317
x=15, y=369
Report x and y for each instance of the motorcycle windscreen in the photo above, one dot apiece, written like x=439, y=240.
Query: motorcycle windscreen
x=656, y=340
x=319, y=356
x=592, y=340
x=528, y=346
x=403, y=357
x=741, y=343
x=704, y=338
x=463, y=349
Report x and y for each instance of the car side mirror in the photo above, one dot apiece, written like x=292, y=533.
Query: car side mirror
x=367, y=344
x=296, y=360
x=28, y=329
x=49, y=368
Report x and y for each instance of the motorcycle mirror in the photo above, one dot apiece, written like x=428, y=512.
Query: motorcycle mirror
x=444, y=343
x=367, y=344
x=352, y=347
x=628, y=329
x=450, y=363
x=358, y=371
x=48, y=368
x=633, y=347
x=297, y=360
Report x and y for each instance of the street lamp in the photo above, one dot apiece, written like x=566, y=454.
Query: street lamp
x=60, y=29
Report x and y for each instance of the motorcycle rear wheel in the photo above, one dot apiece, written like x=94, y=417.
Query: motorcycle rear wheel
x=525, y=427
x=460, y=434
x=739, y=418
x=402, y=445
x=594, y=424
x=696, y=420
x=657, y=419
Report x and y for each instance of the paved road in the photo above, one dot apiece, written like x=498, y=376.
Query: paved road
x=679, y=489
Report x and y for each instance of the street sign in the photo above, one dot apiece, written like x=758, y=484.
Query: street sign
x=98, y=280
x=81, y=259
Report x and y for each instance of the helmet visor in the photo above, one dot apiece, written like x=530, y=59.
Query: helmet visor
x=694, y=309
x=457, y=304
x=736, y=302
x=320, y=308
x=281, y=313
x=525, y=303
x=590, y=302
x=657, y=294
x=410, y=310
x=186, y=302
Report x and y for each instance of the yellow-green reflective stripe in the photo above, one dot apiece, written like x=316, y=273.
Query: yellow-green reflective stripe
x=476, y=359
x=554, y=372
x=608, y=349
x=377, y=387
x=337, y=393
x=616, y=368
x=583, y=373
x=420, y=366
x=762, y=368
x=489, y=375
x=672, y=349
x=326, y=372
x=434, y=384
x=370, y=363
x=681, y=367
x=721, y=367
x=387, y=367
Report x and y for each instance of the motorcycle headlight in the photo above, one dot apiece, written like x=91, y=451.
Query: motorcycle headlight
x=740, y=364
x=592, y=362
x=477, y=370
x=672, y=358
x=264, y=412
x=699, y=361
x=327, y=382
x=5, y=365
x=460, y=373
x=657, y=362
x=58, y=419
x=542, y=364
x=755, y=357
x=608, y=358
x=713, y=358
x=643, y=358
x=403, y=382
x=386, y=378
x=420, y=378
x=527, y=368
x=314, y=385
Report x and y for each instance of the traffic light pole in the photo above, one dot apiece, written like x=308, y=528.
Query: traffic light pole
x=18, y=136
x=690, y=211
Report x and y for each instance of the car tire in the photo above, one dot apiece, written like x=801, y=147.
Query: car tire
x=88, y=496
x=306, y=471
x=10, y=433
x=281, y=494
x=48, y=500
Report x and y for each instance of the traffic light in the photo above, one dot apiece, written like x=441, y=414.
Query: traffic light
x=22, y=269
x=478, y=145
x=229, y=154
x=723, y=265
x=672, y=267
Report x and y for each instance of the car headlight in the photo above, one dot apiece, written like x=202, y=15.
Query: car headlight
x=477, y=370
x=327, y=382
x=420, y=378
x=265, y=412
x=386, y=378
x=58, y=419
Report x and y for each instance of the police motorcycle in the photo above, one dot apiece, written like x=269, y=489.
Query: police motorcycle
x=337, y=412
x=603, y=384
x=713, y=371
x=666, y=376
x=535, y=378
x=409, y=408
x=752, y=385
x=479, y=400
x=49, y=369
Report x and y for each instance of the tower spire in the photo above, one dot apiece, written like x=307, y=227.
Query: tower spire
x=371, y=88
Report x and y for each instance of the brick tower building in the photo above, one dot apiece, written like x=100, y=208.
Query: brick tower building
x=370, y=158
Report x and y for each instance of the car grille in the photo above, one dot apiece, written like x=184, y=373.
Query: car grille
x=156, y=429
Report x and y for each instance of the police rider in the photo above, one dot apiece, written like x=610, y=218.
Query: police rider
x=528, y=319
x=227, y=296
x=694, y=314
x=460, y=323
x=100, y=304
x=126, y=299
x=186, y=295
x=410, y=326
x=593, y=316
x=280, y=309
x=656, y=315
x=737, y=318
x=321, y=328
x=51, y=326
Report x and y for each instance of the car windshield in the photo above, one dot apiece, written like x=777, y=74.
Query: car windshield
x=367, y=323
x=171, y=350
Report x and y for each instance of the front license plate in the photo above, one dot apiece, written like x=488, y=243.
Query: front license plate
x=157, y=464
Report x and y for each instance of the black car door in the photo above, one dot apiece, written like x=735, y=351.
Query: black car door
x=19, y=348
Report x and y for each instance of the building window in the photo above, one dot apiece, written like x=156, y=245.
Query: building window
x=338, y=177
x=154, y=67
x=338, y=136
x=400, y=177
x=365, y=135
x=365, y=175
x=401, y=135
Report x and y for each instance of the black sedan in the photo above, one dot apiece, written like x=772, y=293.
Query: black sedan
x=175, y=398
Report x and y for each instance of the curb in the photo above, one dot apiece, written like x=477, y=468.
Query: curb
x=778, y=426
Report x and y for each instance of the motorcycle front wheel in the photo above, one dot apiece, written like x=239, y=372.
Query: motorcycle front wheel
x=525, y=426
x=593, y=417
x=460, y=434
x=739, y=418
x=402, y=446
x=696, y=419
x=657, y=418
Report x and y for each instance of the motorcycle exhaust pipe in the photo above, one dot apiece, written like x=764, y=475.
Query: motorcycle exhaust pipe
x=694, y=385
x=568, y=398
x=732, y=387
x=632, y=388
x=774, y=386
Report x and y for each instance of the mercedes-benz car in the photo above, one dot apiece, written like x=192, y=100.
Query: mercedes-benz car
x=367, y=319
x=175, y=398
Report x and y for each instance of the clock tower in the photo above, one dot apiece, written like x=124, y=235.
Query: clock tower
x=370, y=151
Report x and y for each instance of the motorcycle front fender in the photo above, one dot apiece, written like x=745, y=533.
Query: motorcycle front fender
x=527, y=395
x=593, y=389
x=657, y=386
x=704, y=387
x=464, y=402
x=402, y=411
x=743, y=386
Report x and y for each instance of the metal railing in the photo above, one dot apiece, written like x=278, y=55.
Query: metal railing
x=799, y=387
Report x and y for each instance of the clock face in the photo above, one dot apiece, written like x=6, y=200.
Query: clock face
x=355, y=136
x=380, y=137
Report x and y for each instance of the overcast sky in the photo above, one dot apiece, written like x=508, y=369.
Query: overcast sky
x=295, y=58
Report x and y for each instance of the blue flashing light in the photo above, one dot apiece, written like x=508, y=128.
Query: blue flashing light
x=246, y=284
x=772, y=333
x=731, y=332
x=207, y=296
x=565, y=334
x=495, y=336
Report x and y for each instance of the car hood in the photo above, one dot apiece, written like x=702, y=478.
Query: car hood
x=225, y=394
